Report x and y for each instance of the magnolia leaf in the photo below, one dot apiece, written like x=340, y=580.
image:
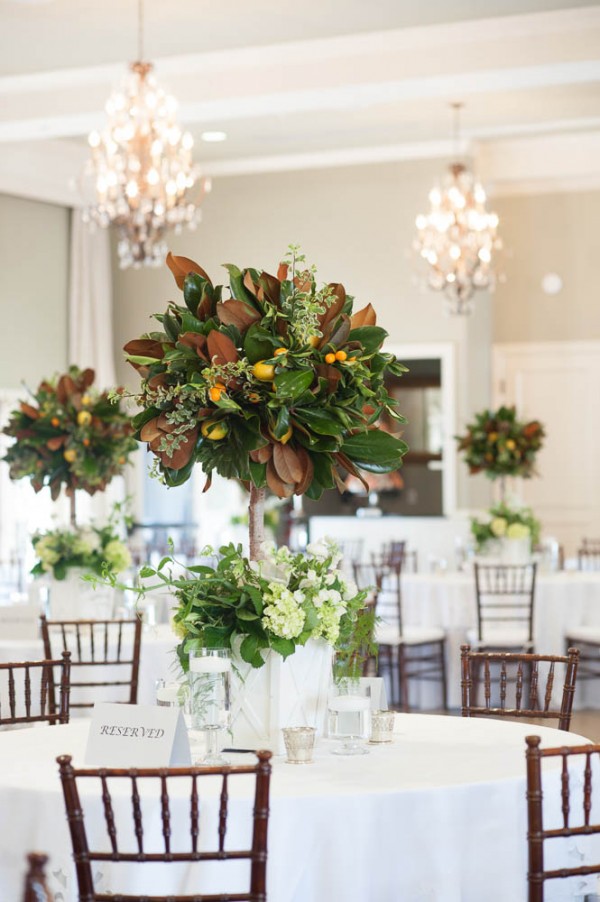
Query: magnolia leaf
x=308, y=470
x=331, y=373
x=181, y=266
x=237, y=313
x=64, y=389
x=248, y=282
x=293, y=383
x=287, y=464
x=271, y=287
x=370, y=337
x=375, y=450
x=338, y=299
x=364, y=317
x=150, y=430
x=196, y=342
x=282, y=271
x=29, y=411
x=262, y=455
x=319, y=421
x=276, y=484
x=221, y=349
x=55, y=443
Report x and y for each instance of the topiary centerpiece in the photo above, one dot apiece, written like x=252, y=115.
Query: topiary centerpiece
x=69, y=436
x=274, y=381
x=498, y=444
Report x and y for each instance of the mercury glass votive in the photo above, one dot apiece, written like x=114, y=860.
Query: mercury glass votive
x=299, y=744
x=382, y=726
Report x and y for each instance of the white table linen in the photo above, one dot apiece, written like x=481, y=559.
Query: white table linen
x=447, y=600
x=439, y=816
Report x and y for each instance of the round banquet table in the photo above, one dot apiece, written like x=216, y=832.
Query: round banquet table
x=437, y=816
x=158, y=660
x=562, y=600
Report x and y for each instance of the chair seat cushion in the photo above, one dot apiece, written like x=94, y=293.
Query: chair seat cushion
x=500, y=637
x=386, y=634
x=585, y=634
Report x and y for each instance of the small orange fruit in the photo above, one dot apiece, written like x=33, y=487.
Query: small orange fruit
x=341, y=356
x=280, y=351
x=511, y=444
x=84, y=418
x=55, y=421
x=253, y=397
x=262, y=371
x=215, y=392
x=70, y=455
x=121, y=460
x=214, y=430
x=86, y=442
x=329, y=358
x=314, y=340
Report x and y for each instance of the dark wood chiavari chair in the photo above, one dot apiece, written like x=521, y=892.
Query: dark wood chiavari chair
x=505, y=595
x=20, y=681
x=36, y=888
x=527, y=684
x=393, y=553
x=98, y=643
x=588, y=558
x=84, y=856
x=416, y=653
x=537, y=833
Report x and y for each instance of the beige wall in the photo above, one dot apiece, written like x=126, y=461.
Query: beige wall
x=549, y=233
x=356, y=224
x=34, y=264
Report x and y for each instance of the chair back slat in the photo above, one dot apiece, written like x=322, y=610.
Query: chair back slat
x=505, y=596
x=523, y=666
x=165, y=814
x=575, y=823
x=195, y=814
x=223, y=813
x=109, y=815
x=588, y=556
x=99, y=644
x=20, y=679
x=161, y=778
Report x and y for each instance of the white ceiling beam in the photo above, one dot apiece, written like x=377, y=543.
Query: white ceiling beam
x=350, y=97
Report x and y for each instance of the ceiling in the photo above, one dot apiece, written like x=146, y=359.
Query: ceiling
x=311, y=84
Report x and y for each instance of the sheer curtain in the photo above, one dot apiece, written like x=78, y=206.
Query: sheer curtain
x=91, y=334
x=90, y=302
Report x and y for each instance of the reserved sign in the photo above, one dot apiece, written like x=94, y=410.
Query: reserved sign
x=137, y=736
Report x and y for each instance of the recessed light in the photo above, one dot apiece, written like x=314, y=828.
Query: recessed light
x=213, y=137
x=552, y=283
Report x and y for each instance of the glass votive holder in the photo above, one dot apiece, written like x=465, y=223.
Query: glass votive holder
x=299, y=744
x=382, y=726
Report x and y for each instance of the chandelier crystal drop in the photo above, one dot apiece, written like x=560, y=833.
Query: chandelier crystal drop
x=141, y=171
x=457, y=238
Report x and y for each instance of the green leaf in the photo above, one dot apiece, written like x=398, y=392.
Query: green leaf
x=142, y=361
x=143, y=417
x=249, y=651
x=146, y=572
x=171, y=327
x=375, y=451
x=193, y=288
x=245, y=614
x=283, y=647
x=283, y=423
x=294, y=383
x=258, y=344
x=236, y=284
x=370, y=337
x=319, y=421
x=190, y=323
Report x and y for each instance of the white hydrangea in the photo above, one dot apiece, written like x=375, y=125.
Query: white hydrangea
x=282, y=615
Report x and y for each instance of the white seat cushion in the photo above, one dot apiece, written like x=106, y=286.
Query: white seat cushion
x=385, y=634
x=500, y=637
x=585, y=634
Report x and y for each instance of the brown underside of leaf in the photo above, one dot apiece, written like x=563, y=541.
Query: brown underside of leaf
x=277, y=485
x=55, y=443
x=181, y=456
x=282, y=271
x=221, y=349
x=286, y=463
x=182, y=266
x=308, y=471
x=336, y=306
x=333, y=375
x=145, y=347
x=347, y=464
x=237, y=313
x=86, y=379
x=271, y=287
x=249, y=283
x=29, y=411
x=364, y=317
x=64, y=389
x=196, y=342
x=150, y=431
x=262, y=455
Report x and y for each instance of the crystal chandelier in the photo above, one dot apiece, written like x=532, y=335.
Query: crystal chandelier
x=457, y=237
x=142, y=175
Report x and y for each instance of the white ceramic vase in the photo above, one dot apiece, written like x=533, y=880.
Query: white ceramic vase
x=74, y=599
x=288, y=693
x=516, y=551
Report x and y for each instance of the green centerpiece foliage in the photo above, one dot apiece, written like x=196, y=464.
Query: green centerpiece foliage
x=69, y=435
x=498, y=444
x=279, y=384
x=97, y=549
x=506, y=522
x=279, y=602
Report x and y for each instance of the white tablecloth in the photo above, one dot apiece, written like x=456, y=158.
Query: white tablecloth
x=439, y=816
x=157, y=661
x=447, y=600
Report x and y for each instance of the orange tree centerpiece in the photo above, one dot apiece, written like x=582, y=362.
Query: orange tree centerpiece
x=69, y=436
x=275, y=382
